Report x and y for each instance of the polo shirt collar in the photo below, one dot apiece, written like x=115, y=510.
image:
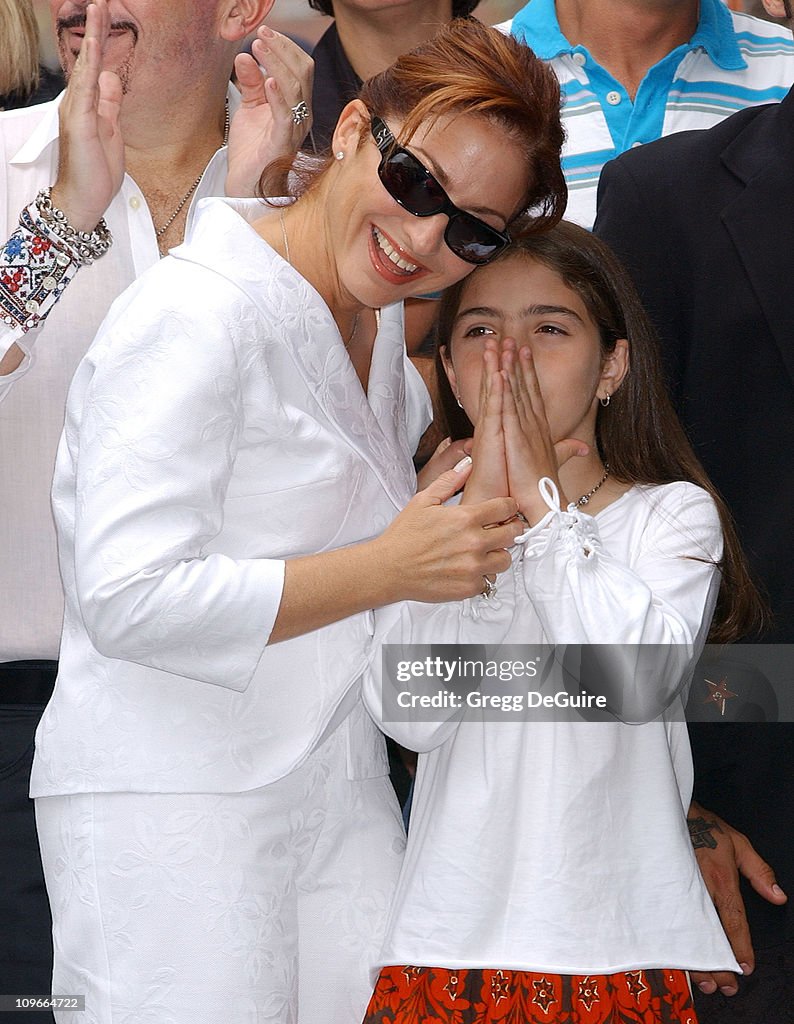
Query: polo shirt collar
x=537, y=24
x=716, y=35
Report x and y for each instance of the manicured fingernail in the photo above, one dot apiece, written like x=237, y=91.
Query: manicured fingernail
x=266, y=30
x=464, y=462
x=777, y=890
x=729, y=990
x=707, y=987
x=746, y=968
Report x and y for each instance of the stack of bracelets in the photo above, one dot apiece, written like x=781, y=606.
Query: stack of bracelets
x=40, y=259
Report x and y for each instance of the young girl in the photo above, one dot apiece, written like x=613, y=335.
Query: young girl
x=549, y=874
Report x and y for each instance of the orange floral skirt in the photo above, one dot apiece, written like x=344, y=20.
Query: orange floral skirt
x=426, y=995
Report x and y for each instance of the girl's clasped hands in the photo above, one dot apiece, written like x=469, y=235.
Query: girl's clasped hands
x=513, y=447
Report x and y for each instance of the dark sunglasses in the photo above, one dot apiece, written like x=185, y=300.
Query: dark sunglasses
x=409, y=182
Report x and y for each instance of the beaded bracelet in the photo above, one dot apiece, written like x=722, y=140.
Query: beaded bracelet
x=40, y=259
x=85, y=246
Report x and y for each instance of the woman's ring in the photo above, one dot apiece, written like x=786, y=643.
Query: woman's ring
x=488, y=587
x=300, y=112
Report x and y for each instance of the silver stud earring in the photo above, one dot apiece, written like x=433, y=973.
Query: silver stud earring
x=340, y=155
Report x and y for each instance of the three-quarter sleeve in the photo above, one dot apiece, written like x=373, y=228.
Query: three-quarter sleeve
x=152, y=460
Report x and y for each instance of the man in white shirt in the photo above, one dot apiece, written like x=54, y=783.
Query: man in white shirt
x=635, y=70
x=137, y=138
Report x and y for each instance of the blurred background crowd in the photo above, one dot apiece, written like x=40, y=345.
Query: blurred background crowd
x=300, y=21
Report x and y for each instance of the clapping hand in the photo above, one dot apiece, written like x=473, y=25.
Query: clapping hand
x=91, y=149
x=264, y=128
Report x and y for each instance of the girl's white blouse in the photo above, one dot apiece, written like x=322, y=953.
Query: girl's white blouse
x=561, y=845
x=215, y=428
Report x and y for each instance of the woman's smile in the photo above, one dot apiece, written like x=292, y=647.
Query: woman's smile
x=391, y=260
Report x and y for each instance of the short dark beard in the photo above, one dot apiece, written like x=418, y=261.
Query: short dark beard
x=78, y=21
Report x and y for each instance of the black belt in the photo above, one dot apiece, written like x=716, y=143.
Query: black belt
x=27, y=682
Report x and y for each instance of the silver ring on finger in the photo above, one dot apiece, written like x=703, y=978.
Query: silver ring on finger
x=488, y=587
x=300, y=112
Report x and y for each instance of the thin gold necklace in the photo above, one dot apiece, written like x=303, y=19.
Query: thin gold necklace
x=159, y=232
x=349, y=341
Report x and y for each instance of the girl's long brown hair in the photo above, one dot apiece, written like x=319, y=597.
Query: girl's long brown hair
x=639, y=433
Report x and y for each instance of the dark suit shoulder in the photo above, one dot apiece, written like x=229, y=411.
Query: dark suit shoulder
x=693, y=150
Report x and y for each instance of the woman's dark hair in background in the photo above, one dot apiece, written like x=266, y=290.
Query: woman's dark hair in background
x=639, y=434
x=467, y=68
x=460, y=8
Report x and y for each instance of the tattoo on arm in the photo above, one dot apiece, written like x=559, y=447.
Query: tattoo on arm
x=700, y=833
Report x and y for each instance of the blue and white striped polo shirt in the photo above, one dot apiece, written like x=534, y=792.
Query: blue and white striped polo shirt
x=732, y=61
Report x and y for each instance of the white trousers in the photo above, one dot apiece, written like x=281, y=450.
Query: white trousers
x=265, y=906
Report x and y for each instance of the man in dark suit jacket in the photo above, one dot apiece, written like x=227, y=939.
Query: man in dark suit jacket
x=705, y=223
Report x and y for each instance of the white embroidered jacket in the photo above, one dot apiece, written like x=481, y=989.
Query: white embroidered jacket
x=215, y=428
